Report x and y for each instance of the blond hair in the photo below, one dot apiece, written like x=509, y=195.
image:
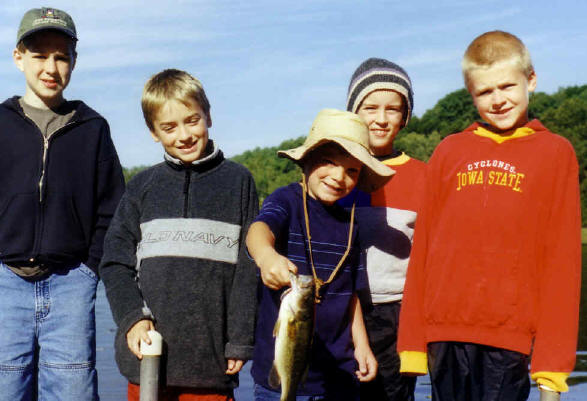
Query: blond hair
x=495, y=47
x=172, y=84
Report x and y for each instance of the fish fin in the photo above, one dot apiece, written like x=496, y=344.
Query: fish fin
x=274, y=380
x=291, y=330
x=276, y=328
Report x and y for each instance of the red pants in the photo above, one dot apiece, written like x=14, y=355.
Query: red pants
x=180, y=394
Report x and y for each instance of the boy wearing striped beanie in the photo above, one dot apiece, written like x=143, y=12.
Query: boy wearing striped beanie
x=380, y=92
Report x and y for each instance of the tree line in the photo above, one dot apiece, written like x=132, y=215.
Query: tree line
x=563, y=112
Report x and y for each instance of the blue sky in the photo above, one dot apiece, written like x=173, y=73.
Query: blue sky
x=268, y=67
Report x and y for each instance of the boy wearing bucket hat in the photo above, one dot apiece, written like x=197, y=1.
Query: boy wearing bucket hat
x=61, y=181
x=301, y=229
x=380, y=92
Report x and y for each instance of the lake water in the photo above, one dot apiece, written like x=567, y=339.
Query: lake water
x=112, y=386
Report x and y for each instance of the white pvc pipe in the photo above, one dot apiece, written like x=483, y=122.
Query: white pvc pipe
x=149, y=385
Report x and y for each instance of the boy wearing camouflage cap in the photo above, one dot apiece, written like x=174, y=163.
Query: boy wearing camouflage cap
x=61, y=181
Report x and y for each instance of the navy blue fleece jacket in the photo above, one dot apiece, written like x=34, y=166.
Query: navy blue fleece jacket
x=57, y=196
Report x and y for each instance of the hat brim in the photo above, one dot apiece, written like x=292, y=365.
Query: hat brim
x=374, y=174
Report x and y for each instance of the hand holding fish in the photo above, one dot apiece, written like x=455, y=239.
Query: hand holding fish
x=137, y=333
x=275, y=270
x=274, y=267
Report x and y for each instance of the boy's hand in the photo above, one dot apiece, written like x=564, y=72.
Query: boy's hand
x=275, y=269
x=367, y=364
x=234, y=366
x=137, y=333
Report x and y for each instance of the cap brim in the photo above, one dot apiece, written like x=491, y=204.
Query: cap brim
x=65, y=31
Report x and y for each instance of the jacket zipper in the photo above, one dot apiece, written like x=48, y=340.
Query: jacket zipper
x=42, y=178
x=45, y=148
x=45, y=151
x=186, y=193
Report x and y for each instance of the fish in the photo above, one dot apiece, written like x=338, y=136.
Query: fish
x=293, y=332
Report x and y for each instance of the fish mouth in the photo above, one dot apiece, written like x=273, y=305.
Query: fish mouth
x=304, y=280
x=300, y=281
x=284, y=293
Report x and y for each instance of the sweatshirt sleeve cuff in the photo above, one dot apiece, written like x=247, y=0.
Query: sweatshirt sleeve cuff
x=235, y=351
x=557, y=381
x=414, y=362
x=131, y=319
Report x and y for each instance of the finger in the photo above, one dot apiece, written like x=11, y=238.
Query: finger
x=269, y=281
x=292, y=268
x=363, y=366
x=284, y=277
x=372, y=367
x=364, y=377
x=272, y=281
x=270, y=284
x=285, y=282
x=145, y=337
x=230, y=367
x=371, y=376
x=135, y=349
x=130, y=341
x=236, y=367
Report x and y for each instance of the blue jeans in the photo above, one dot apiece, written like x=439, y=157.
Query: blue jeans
x=264, y=394
x=48, y=336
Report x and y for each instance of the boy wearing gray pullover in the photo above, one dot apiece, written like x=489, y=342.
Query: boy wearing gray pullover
x=174, y=255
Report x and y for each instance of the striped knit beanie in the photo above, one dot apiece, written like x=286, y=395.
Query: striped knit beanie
x=375, y=74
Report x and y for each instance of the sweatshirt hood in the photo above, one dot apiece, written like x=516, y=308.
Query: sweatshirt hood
x=82, y=111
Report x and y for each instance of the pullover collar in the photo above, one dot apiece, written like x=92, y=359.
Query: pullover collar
x=484, y=130
x=213, y=159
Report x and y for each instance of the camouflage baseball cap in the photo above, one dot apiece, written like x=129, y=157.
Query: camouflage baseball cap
x=38, y=19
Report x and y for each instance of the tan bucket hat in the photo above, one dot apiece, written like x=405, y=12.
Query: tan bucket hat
x=349, y=131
